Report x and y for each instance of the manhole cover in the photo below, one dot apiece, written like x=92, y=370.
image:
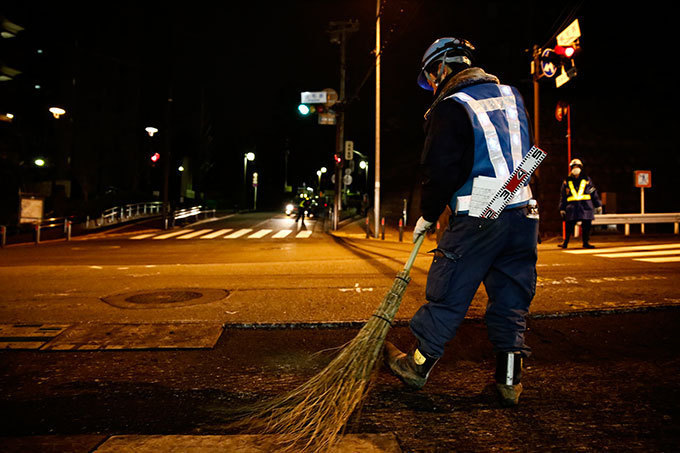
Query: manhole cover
x=166, y=298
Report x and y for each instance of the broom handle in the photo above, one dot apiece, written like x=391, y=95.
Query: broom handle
x=414, y=253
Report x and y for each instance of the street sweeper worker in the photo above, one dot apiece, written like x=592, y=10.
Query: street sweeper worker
x=476, y=126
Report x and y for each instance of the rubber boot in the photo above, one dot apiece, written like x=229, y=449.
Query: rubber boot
x=413, y=368
x=508, y=375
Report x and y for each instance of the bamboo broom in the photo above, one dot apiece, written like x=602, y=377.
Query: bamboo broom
x=311, y=417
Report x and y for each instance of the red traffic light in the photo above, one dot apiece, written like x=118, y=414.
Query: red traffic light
x=566, y=52
x=337, y=158
x=155, y=157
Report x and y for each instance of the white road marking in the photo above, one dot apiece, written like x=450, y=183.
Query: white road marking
x=143, y=236
x=640, y=254
x=239, y=233
x=259, y=234
x=172, y=234
x=669, y=259
x=304, y=234
x=217, y=233
x=632, y=248
x=282, y=234
x=194, y=234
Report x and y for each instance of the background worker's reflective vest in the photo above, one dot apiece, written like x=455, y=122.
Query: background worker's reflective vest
x=501, y=134
x=579, y=198
x=580, y=195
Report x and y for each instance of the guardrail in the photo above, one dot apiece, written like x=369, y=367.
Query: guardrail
x=194, y=211
x=642, y=219
x=54, y=222
x=125, y=212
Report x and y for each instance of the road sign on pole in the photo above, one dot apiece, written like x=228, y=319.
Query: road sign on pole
x=349, y=150
x=313, y=97
x=569, y=34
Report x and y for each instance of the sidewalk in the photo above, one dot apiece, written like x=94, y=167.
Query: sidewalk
x=593, y=383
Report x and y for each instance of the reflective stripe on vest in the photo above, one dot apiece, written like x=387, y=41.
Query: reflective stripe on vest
x=580, y=195
x=494, y=109
x=481, y=107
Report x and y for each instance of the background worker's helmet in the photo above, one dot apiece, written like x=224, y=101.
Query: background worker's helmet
x=448, y=50
x=575, y=163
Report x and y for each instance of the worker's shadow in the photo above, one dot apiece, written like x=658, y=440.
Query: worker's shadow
x=401, y=398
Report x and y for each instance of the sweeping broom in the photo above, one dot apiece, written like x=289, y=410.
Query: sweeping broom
x=312, y=416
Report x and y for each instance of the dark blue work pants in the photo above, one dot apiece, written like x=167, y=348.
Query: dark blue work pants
x=502, y=254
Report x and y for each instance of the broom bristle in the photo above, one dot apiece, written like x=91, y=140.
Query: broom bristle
x=313, y=415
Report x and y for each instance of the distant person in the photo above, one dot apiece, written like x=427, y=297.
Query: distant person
x=579, y=201
x=476, y=126
x=303, y=206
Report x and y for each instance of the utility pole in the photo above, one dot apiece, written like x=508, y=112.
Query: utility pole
x=338, y=32
x=378, y=54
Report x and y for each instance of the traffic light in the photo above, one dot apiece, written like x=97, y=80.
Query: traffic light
x=155, y=157
x=565, y=52
x=559, y=62
x=305, y=109
x=338, y=159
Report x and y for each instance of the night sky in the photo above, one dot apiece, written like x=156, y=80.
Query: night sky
x=235, y=72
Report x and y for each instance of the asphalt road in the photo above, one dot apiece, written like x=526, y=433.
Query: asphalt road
x=122, y=333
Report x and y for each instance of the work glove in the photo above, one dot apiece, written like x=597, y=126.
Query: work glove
x=422, y=226
x=563, y=214
x=598, y=210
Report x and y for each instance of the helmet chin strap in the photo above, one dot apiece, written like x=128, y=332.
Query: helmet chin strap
x=438, y=80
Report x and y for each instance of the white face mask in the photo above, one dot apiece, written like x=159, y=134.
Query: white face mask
x=576, y=171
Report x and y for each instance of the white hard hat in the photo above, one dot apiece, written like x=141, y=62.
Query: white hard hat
x=451, y=50
x=576, y=163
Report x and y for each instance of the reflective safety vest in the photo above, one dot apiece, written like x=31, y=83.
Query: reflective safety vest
x=580, y=195
x=501, y=135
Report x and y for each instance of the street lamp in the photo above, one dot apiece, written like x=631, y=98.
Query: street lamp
x=364, y=166
x=57, y=111
x=246, y=157
x=39, y=162
x=150, y=130
x=319, y=172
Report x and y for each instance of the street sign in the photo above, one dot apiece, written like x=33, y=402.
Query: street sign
x=565, y=76
x=31, y=209
x=547, y=64
x=349, y=150
x=643, y=178
x=313, y=97
x=327, y=118
x=569, y=34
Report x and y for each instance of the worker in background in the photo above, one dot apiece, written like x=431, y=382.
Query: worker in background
x=476, y=126
x=579, y=201
x=303, y=206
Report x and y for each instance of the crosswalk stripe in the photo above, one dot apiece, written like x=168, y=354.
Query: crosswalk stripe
x=640, y=254
x=143, y=236
x=194, y=234
x=282, y=234
x=632, y=248
x=172, y=234
x=217, y=233
x=259, y=234
x=667, y=259
x=303, y=234
x=239, y=233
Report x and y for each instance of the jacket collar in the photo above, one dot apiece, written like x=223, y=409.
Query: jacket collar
x=458, y=81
